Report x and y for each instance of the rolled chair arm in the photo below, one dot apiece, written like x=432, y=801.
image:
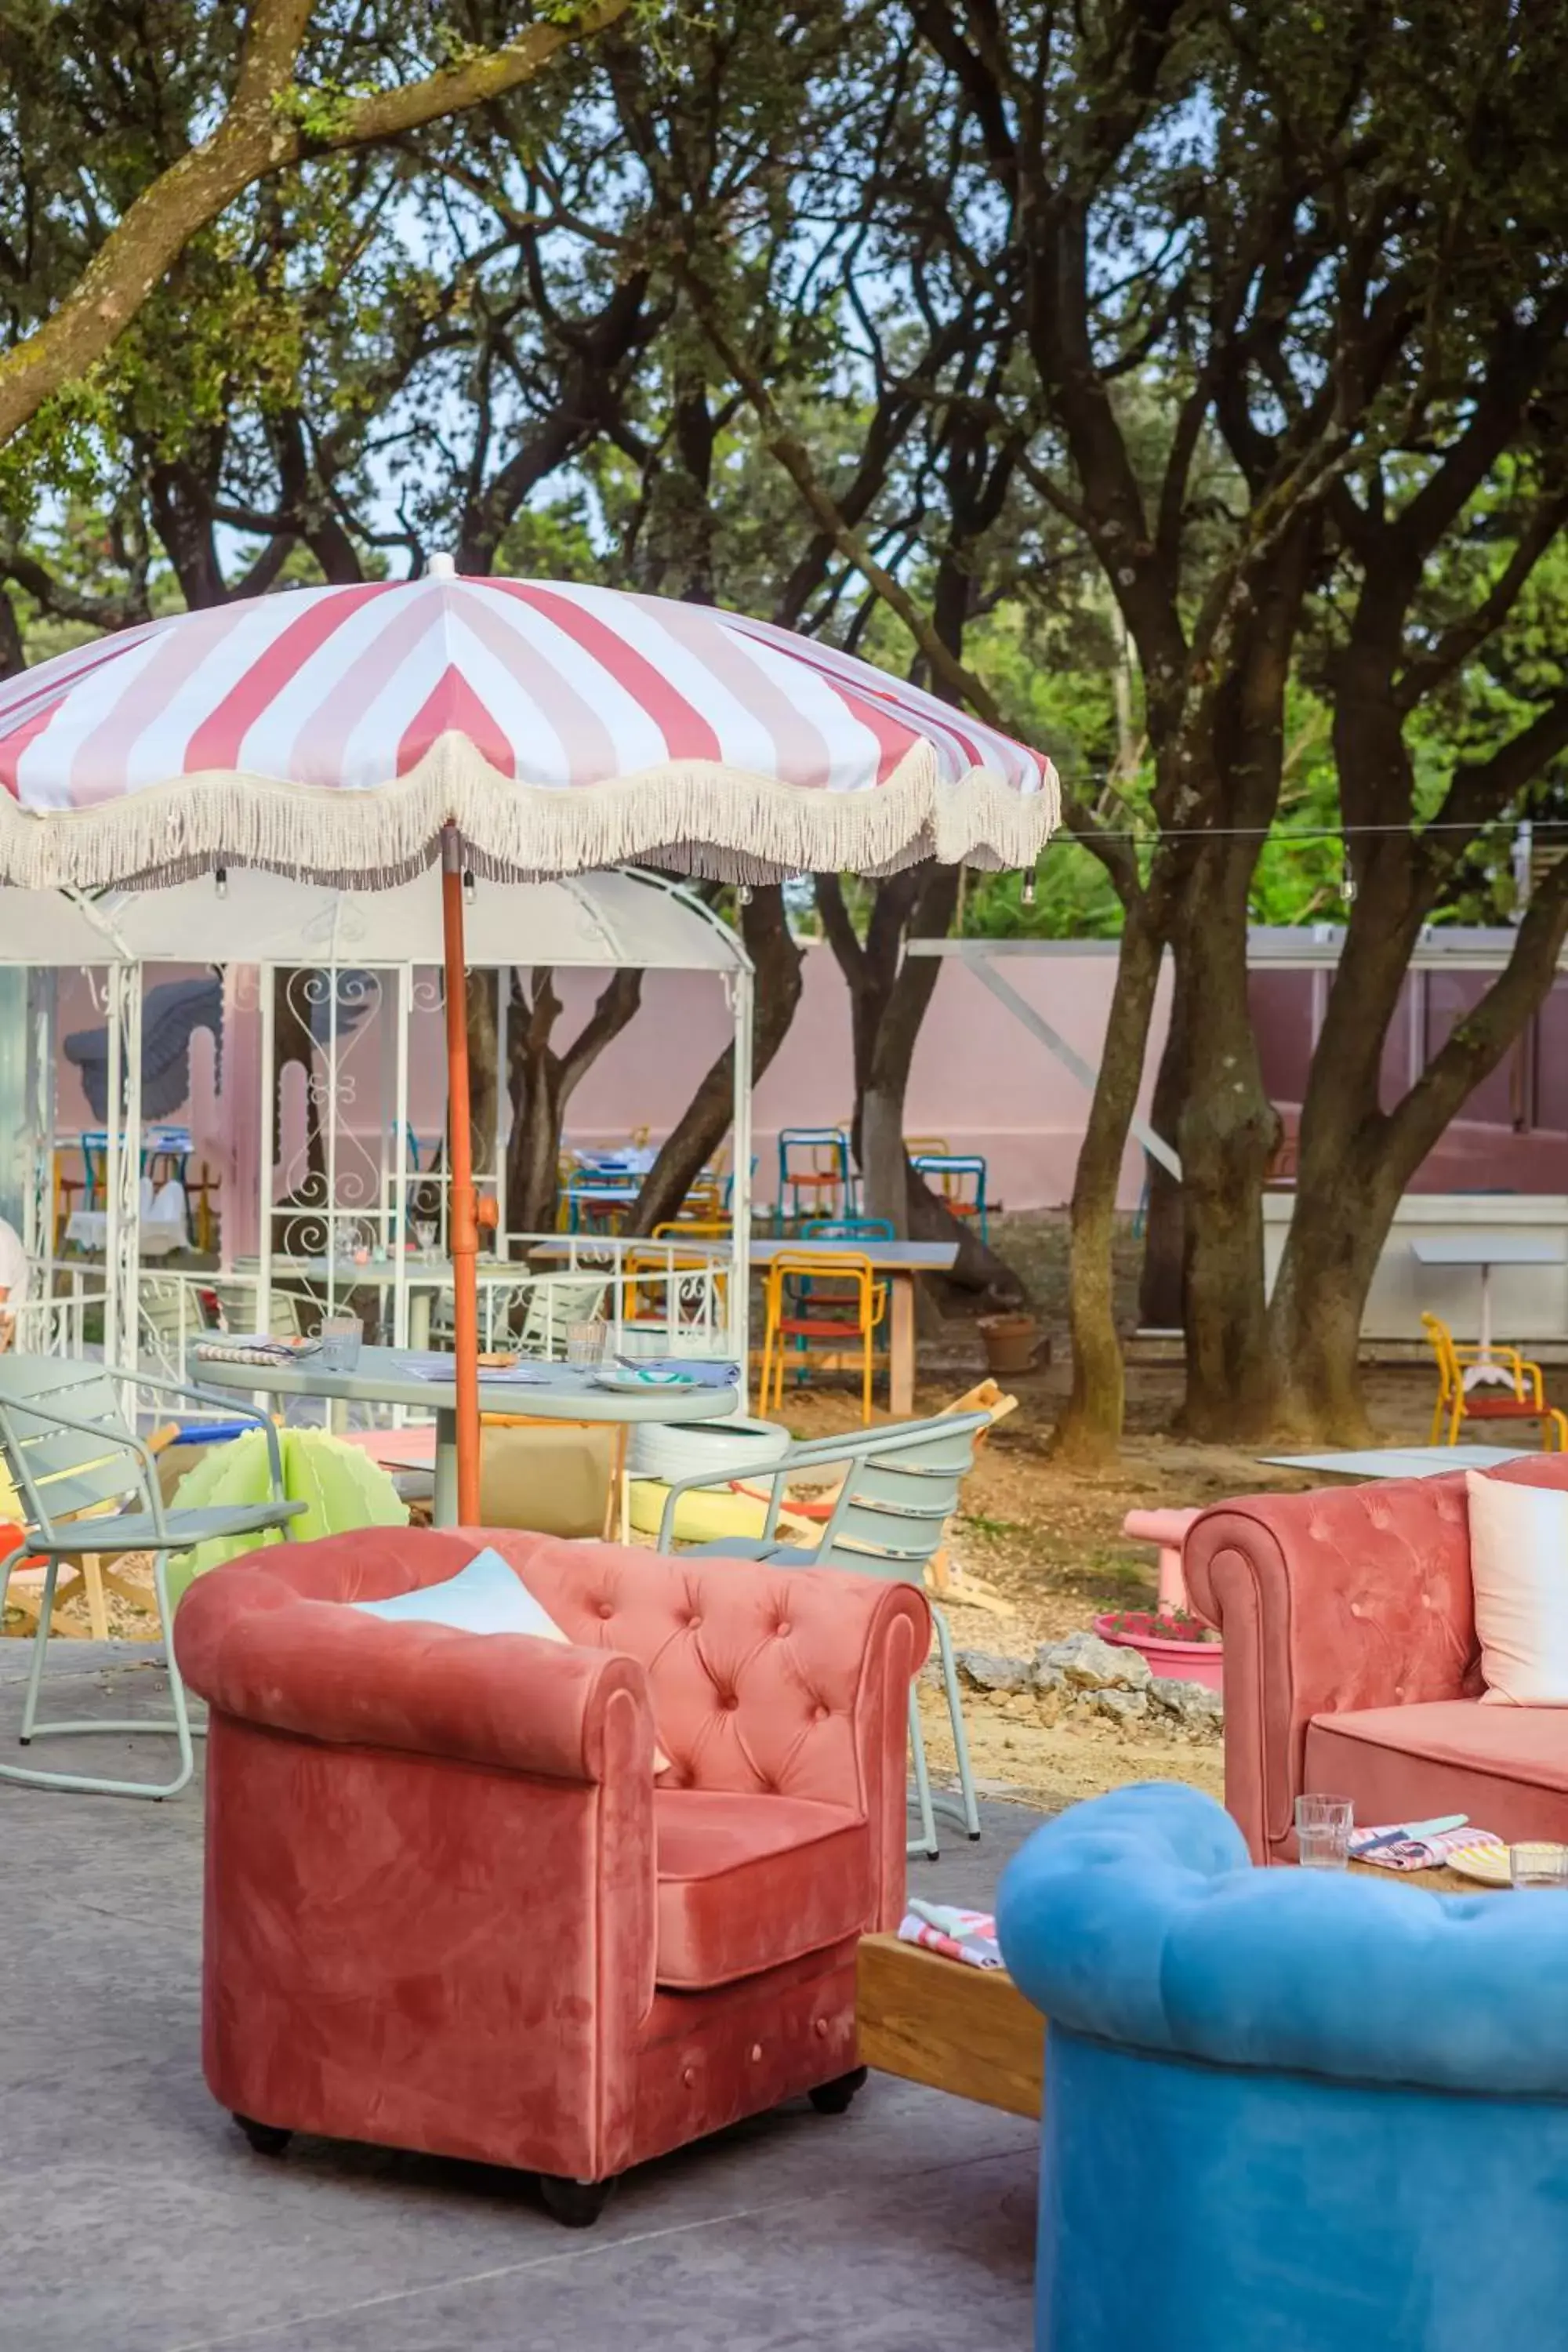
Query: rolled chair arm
x=1135, y=1919
x=231, y=1407
x=1348, y=1597
x=257, y=1650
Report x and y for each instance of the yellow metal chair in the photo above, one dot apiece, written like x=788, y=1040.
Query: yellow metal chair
x=823, y=1301
x=1523, y=1399
x=658, y=1268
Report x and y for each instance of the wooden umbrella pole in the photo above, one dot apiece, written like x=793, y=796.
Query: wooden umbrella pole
x=463, y=1223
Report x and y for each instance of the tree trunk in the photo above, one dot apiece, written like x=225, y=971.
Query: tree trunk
x=888, y=1053
x=976, y=1272
x=702, y=1126
x=1330, y=1255
x=482, y=1001
x=1226, y=1135
x=1090, y=1429
x=543, y=1082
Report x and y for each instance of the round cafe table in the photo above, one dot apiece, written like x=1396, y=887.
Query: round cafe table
x=388, y=1376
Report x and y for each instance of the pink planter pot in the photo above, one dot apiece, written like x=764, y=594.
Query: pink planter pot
x=1174, y=1662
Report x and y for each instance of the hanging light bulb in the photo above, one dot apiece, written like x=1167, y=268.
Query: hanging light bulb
x=1027, y=893
x=743, y=894
x=468, y=892
x=220, y=881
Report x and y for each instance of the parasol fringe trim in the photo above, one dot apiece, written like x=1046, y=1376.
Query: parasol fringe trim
x=699, y=817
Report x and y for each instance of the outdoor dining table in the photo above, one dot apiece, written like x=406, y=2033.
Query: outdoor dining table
x=898, y=1262
x=1398, y=1461
x=389, y=1376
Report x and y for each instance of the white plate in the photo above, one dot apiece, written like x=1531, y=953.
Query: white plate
x=627, y=1382
x=1486, y=1864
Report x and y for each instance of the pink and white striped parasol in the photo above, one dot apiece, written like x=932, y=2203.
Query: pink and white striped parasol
x=335, y=732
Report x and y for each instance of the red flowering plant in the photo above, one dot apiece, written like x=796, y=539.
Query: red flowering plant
x=1160, y=1626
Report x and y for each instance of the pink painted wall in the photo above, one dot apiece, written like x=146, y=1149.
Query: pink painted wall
x=980, y=1079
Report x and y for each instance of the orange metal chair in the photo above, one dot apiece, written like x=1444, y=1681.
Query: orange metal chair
x=1524, y=1399
x=820, y=1300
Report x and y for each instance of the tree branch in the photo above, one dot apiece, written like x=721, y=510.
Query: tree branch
x=1456, y=644
x=793, y=455
x=268, y=127
x=1477, y=1042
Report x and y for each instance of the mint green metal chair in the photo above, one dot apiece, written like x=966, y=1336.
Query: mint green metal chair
x=88, y=1483
x=900, y=1487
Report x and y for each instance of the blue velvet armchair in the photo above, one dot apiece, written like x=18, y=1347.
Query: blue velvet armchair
x=1287, y=2111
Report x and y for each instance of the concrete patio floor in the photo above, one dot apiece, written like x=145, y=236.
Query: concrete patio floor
x=139, y=2220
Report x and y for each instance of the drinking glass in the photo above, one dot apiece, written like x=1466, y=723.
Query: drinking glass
x=584, y=1343
x=1323, y=1826
x=1538, y=1863
x=425, y=1236
x=340, y=1335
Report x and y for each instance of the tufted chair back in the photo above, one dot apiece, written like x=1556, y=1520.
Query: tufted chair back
x=1343, y=1597
x=754, y=1677
x=752, y=1689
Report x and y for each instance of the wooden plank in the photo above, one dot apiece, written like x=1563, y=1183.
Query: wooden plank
x=935, y=2020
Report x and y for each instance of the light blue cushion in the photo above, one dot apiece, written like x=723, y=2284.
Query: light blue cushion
x=485, y=1597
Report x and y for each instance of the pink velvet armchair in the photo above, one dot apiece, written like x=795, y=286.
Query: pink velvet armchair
x=448, y=1907
x=1352, y=1667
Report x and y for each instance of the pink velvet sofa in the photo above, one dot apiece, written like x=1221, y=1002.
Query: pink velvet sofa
x=448, y=1907
x=1351, y=1663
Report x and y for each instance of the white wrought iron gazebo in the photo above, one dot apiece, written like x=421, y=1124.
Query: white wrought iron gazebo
x=356, y=977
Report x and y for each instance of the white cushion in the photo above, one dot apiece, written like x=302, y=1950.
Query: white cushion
x=485, y=1597
x=1519, y=1563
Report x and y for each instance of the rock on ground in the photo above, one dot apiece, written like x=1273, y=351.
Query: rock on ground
x=1086, y=1663
x=983, y=1670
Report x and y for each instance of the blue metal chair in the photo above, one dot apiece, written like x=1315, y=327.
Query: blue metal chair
x=88, y=1484
x=594, y=1203
x=814, y=1174
x=94, y=1169
x=955, y=1172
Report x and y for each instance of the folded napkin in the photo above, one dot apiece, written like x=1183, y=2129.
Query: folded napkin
x=969, y=1936
x=1427, y=1853
x=253, y=1347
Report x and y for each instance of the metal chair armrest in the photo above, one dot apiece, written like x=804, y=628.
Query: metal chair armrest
x=229, y=1406
x=772, y=1468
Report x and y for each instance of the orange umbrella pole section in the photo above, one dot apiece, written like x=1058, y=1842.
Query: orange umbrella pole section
x=463, y=1207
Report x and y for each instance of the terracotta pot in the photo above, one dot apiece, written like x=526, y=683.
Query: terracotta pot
x=1174, y=1662
x=1011, y=1342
